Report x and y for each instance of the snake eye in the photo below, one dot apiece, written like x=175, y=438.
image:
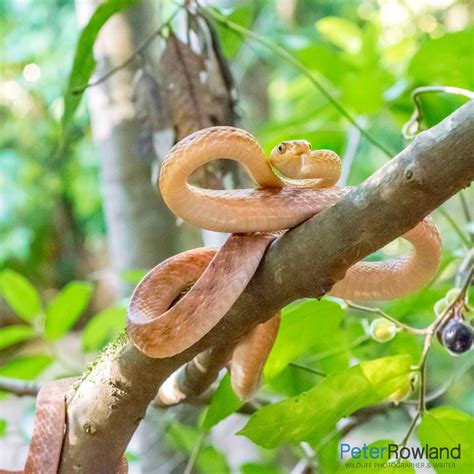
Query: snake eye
x=281, y=148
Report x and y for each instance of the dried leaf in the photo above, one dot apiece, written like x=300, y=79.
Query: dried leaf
x=190, y=102
x=156, y=136
x=219, y=77
x=221, y=85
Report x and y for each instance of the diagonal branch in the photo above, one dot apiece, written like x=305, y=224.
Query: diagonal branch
x=305, y=262
x=18, y=387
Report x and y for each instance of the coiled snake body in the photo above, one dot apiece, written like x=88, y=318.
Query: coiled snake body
x=303, y=186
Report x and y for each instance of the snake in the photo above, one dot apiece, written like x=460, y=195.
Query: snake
x=181, y=299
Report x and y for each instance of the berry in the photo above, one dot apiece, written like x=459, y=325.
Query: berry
x=457, y=336
x=382, y=330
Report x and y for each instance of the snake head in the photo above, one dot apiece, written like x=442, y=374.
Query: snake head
x=295, y=160
x=291, y=158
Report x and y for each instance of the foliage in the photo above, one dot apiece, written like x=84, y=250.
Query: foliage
x=84, y=62
x=448, y=427
x=325, y=369
x=312, y=415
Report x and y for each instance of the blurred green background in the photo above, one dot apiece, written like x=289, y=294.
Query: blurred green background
x=56, y=276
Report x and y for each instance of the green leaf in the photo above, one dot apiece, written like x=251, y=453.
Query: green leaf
x=353, y=465
x=363, y=91
x=20, y=294
x=25, y=367
x=224, y=402
x=326, y=61
x=229, y=40
x=3, y=428
x=211, y=460
x=104, y=327
x=445, y=61
x=84, y=62
x=341, y=32
x=306, y=325
x=312, y=415
x=66, y=308
x=448, y=427
x=14, y=334
x=292, y=381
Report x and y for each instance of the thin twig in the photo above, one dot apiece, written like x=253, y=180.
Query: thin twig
x=19, y=387
x=283, y=53
x=465, y=208
x=412, y=127
x=349, y=155
x=404, y=441
x=195, y=453
x=468, y=216
x=308, y=369
x=340, y=350
x=378, y=311
x=455, y=227
x=444, y=387
x=136, y=53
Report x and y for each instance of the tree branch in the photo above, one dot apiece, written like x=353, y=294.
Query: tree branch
x=305, y=262
x=18, y=387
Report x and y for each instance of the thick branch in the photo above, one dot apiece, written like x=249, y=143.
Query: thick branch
x=305, y=262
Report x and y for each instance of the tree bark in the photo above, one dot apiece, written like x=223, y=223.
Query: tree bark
x=305, y=262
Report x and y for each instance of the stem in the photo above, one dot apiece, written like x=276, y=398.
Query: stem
x=467, y=215
x=284, y=54
x=455, y=227
x=417, y=115
x=445, y=387
x=353, y=142
x=308, y=369
x=410, y=430
x=340, y=350
x=378, y=311
x=195, y=453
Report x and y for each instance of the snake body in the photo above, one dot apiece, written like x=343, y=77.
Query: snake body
x=303, y=186
x=162, y=322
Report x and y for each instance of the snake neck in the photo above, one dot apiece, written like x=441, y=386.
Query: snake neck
x=273, y=206
x=318, y=169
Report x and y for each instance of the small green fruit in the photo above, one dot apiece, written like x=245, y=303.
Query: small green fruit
x=440, y=306
x=382, y=330
x=451, y=295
